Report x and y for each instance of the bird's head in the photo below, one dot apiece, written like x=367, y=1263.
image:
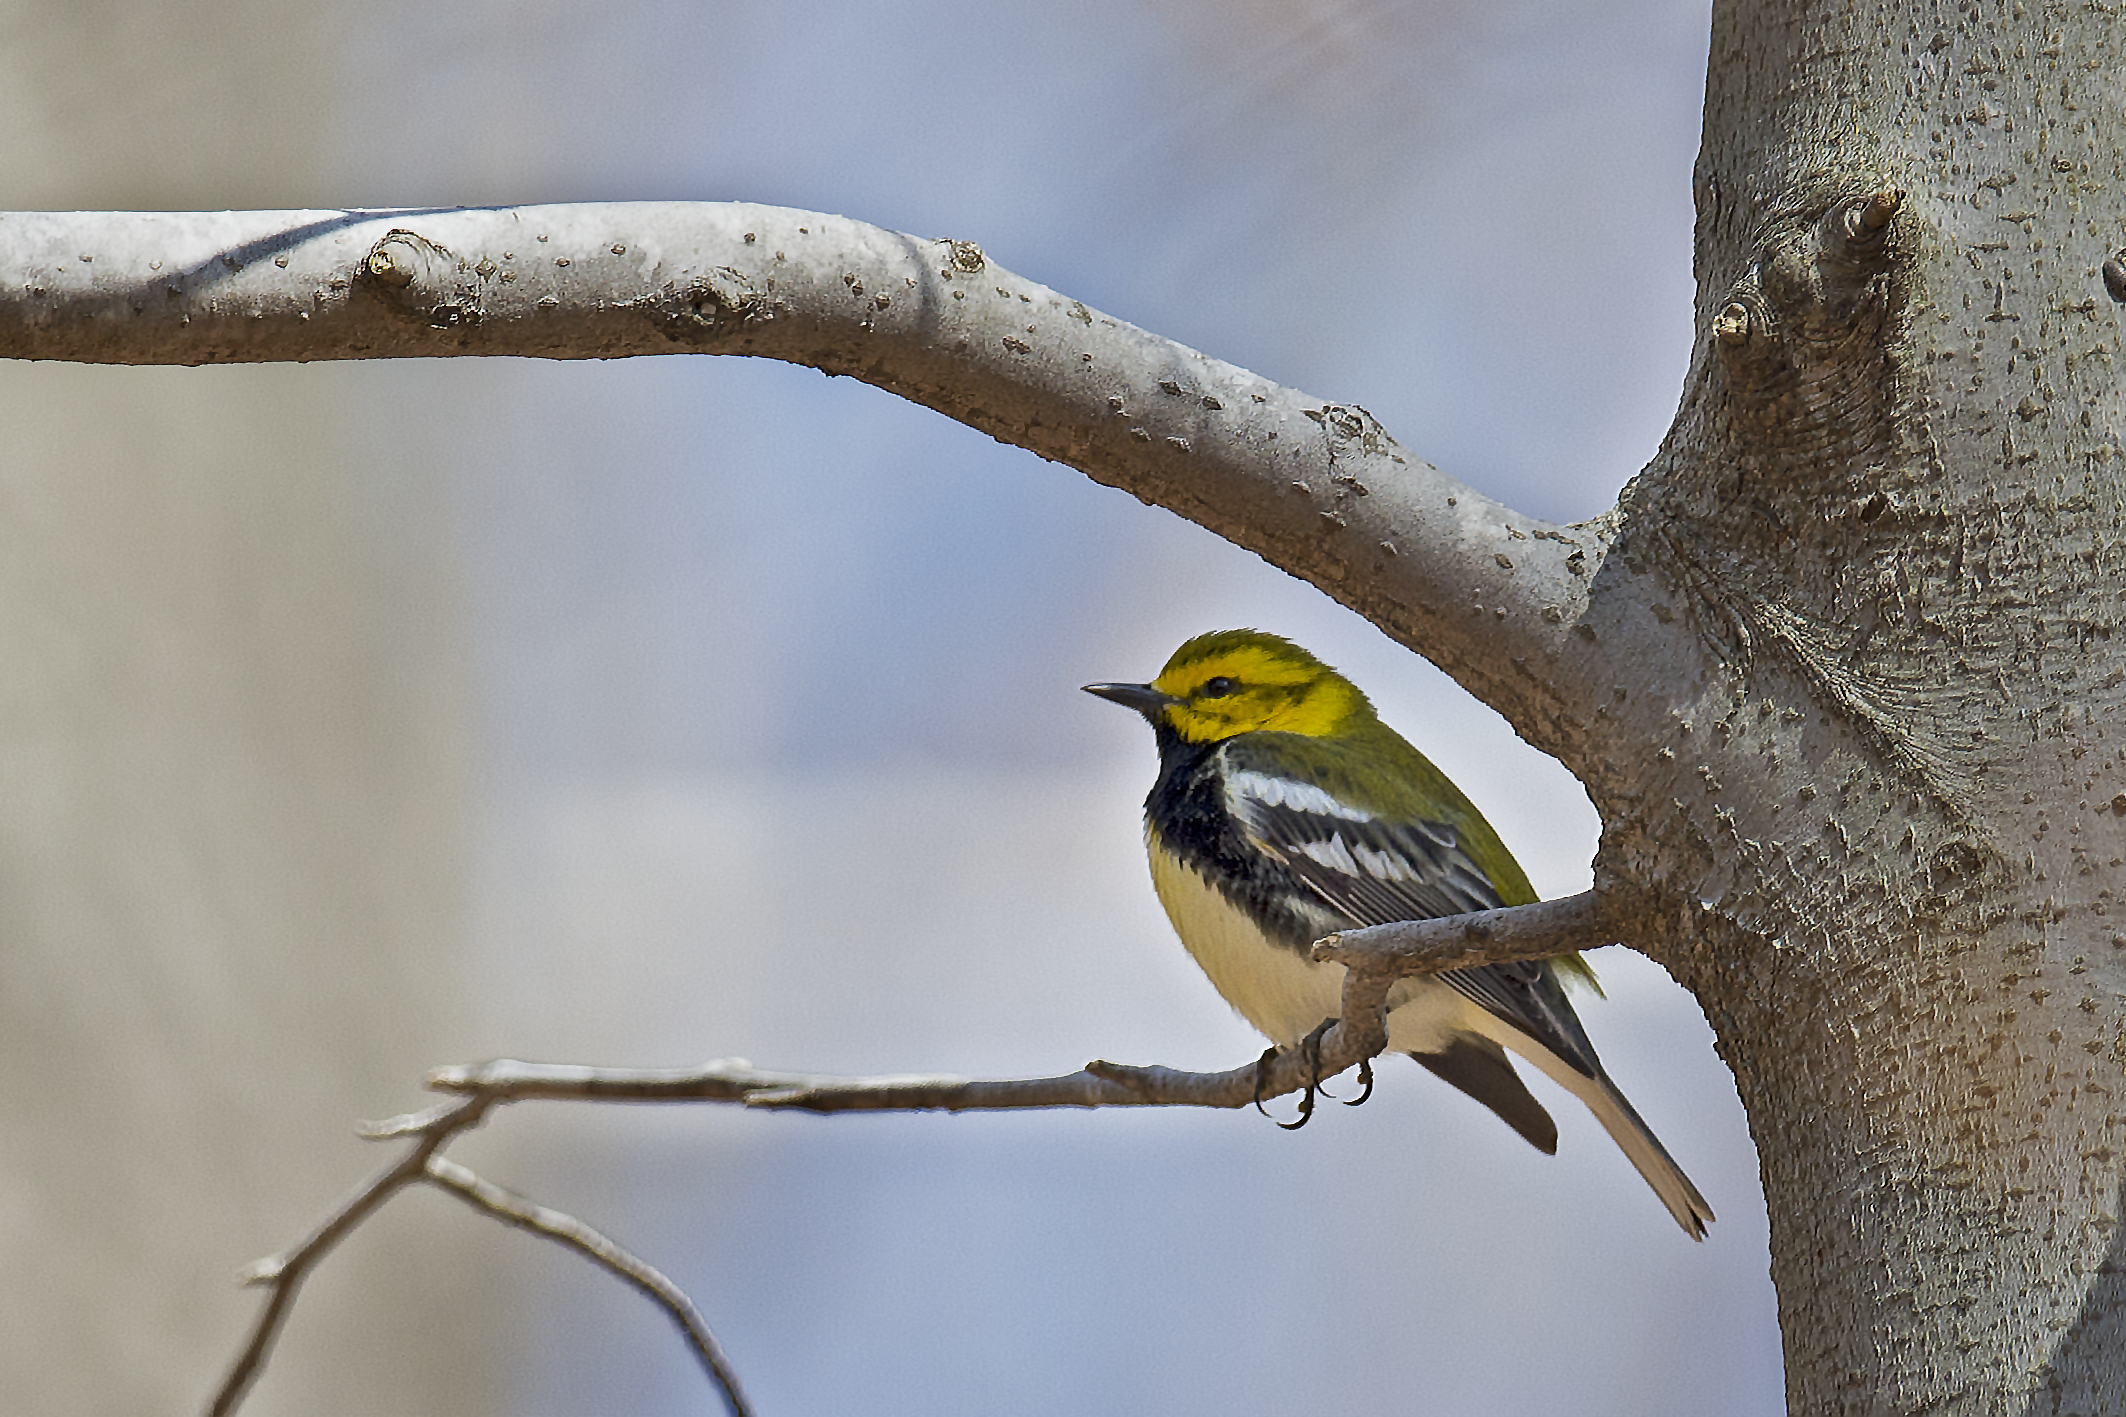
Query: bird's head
x=1230, y=682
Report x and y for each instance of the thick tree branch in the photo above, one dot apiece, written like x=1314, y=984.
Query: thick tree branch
x=1315, y=487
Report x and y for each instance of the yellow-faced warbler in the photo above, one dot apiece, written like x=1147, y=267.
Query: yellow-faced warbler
x=1285, y=810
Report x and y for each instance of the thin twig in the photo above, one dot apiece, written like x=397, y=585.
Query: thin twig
x=565, y=1230
x=1376, y=958
x=282, y=1275
x=1098, y=1084
x=1541, y=931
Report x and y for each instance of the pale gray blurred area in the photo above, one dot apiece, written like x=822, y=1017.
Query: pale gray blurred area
x=364, y=718
x=235, y=810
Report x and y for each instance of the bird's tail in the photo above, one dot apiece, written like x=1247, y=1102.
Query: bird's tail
x=1631, y=1134
x=1637, y=1140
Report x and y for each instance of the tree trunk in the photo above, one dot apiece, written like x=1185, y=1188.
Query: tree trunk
x=1882, y=814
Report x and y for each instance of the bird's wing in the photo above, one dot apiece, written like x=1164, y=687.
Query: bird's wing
x=1376, y=871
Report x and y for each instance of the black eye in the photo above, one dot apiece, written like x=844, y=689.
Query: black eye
x=1216, y=688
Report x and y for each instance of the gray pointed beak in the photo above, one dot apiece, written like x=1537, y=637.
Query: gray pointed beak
x=1141, y=697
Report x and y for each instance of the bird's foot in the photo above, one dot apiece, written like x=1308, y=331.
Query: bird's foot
x=1365, y=1082
x=1306, y=1100
x=1311, y=1046
x=1310, y=1049
x=1262, y=1077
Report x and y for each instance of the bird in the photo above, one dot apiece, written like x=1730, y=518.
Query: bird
x=1284, y=811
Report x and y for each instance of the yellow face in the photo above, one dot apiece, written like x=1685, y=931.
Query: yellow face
x=1244, y=681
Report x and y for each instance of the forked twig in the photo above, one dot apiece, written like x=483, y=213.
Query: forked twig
x=282, y=1275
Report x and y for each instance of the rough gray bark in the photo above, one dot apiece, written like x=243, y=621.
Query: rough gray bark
x=1838, y=671
x=1893, y=495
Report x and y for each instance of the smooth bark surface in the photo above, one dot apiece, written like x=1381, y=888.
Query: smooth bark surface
x=1313, y=485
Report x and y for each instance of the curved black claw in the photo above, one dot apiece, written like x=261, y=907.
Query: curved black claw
x=1310, y=1049
x=1306, y=1110
x=1262, y=1077
x=1365, y=1082
x=1312, y=1044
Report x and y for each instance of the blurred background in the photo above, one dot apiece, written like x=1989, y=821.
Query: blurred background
x=361, y=718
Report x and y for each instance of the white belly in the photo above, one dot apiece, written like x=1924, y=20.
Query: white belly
x=1281, y=992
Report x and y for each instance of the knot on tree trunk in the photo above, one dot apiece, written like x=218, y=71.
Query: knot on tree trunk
x=1798, y=506
x=1802, y=342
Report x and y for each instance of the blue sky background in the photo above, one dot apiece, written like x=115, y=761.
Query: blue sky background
x=780, y=746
